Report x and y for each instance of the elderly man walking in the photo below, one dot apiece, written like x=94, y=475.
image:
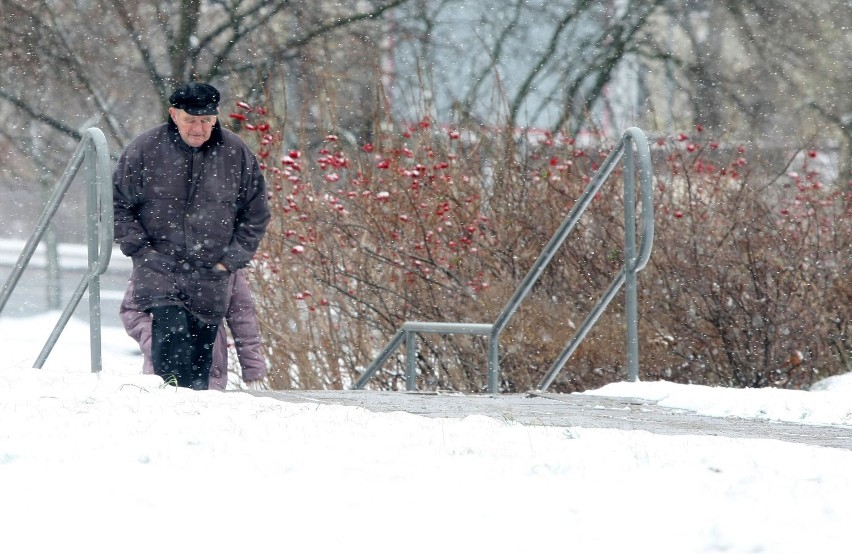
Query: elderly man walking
x=190, y=209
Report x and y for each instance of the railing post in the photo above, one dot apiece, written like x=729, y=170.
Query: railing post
x=410, y=360
x=100, y=242
x=630, y=286
x=494, y=361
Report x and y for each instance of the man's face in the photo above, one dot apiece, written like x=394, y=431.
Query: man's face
x=193, y=129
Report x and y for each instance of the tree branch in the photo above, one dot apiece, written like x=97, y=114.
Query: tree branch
x=40, y=116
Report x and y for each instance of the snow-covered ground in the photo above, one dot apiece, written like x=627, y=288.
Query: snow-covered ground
x=115, y=463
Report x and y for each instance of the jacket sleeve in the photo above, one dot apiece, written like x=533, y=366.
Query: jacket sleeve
x=242, y=321
x=252, y=216
x=138, y=325
x=127, y=195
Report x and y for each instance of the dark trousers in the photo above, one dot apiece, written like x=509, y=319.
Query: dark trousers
x=181, y=347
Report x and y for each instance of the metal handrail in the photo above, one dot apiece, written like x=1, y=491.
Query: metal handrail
x=633, y=263
x=99, y=232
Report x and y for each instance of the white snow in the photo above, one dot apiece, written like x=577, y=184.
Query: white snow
x=116, y=463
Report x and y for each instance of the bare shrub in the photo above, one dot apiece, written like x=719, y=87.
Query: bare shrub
x=746, y=282
x=432, y=223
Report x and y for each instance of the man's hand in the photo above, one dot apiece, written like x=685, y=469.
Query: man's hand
x=221, y=267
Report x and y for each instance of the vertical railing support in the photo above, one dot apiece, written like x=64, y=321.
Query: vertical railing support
x=410, y=360
x=494, y=361
x=630, y=286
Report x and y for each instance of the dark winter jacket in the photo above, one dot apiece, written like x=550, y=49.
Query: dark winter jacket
x=180, y=210
x=241, y=319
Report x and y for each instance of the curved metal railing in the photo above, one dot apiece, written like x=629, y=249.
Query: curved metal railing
x=99, y=231
x=633, y=263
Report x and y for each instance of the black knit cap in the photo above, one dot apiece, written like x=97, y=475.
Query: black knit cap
x=196, y=99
